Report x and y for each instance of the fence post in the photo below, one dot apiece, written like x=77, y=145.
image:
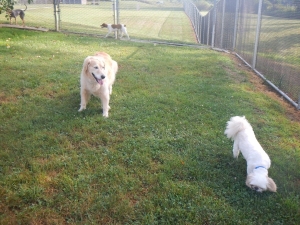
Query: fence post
x=222, y=29
x=56, y=14
x=200, y=29
x=115, y=11
x=197, y=24
x=118, y=14
x=257, y=34
x=214, y=25
x=208, y=28
x=236, y=17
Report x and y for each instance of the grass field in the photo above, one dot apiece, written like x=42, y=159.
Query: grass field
x=160, y=158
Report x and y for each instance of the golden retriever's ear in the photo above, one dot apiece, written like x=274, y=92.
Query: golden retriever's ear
x=271, y=185
x=86, y=63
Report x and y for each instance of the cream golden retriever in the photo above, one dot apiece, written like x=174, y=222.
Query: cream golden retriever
x=97, y=77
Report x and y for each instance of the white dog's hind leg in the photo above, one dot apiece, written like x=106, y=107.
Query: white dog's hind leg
x=235, y=149
x=125, y=31
x=121, y=34
x=127, y=34
x=85, y=96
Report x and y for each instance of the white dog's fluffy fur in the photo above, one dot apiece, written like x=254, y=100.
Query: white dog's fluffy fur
x=97, y=77
x=258, y=162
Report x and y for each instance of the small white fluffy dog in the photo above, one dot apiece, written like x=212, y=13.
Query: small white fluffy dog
x=258, y=162
x=97, y=77
x=115, y=27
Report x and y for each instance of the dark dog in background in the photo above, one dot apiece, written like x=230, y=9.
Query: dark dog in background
x=17, y=12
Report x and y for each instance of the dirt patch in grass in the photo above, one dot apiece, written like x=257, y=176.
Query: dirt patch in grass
x=291, y=112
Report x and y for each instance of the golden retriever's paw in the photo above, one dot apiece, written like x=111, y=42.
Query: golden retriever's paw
x=105, y=115
x=81, y=109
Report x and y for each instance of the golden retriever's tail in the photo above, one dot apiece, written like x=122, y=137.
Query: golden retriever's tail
x=235, y=125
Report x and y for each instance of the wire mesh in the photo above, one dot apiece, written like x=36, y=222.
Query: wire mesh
x=268, y=41
x=225, y=24
x=153, y=20
x=246, y=32
x=279, y=49
x=86, y=18
x=145, y=19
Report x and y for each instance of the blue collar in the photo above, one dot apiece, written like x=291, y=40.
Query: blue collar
x=259, y=167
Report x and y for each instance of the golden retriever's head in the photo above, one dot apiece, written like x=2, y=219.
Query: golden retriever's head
x=95, y=67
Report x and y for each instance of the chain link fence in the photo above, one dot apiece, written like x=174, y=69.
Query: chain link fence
x=265, y=37
x=145, y=19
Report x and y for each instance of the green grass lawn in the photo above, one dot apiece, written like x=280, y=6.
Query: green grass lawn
x=160, y=158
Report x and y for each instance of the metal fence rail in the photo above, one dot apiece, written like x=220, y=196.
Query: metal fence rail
x=269, y=44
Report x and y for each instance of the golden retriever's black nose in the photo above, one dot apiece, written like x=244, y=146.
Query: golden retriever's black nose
x=102, y=76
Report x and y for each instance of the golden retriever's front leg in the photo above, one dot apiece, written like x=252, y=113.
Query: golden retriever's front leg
x=110, y=89
x=105, y=103
x=85, y=97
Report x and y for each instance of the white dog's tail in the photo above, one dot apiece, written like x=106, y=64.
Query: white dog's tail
x=235, y=125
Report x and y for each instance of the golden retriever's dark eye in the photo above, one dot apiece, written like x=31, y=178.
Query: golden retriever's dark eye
x=96, y=67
